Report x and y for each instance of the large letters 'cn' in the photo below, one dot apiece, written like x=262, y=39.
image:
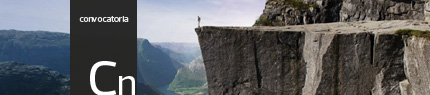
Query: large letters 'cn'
x=93, y=79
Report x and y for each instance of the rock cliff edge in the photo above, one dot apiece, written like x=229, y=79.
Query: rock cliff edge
x=348, y=58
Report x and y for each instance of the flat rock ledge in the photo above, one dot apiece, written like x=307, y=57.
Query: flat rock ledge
x=354, y=58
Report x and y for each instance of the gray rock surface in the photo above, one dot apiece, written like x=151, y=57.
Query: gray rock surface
x=356, y=58
x=283, y=12
x=197, y=65
x=388, y=55
x=417, y=64
x=427, y=10
x=405, y=88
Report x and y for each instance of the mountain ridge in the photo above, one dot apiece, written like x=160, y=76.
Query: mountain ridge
x=154, y=67
x=50, y=49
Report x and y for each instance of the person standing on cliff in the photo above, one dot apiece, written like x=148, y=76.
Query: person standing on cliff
x=198, y=19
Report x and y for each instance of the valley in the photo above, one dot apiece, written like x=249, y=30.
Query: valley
x=171, y=68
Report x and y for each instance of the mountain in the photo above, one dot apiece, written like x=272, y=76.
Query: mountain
x=154, y=67
x=299, y=12
x=49, y=49
x=19, y=79
x=180, y=47
x=191, y=80
x=184, y=53
x=197, y=66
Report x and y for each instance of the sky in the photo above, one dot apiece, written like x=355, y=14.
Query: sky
x=158, y=20
x=46, y=15
x=175, y=20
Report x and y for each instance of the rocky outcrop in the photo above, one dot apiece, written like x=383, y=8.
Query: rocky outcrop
x=297, y=12
x=355, y=58
x=427, y=10
x=19, y=79
x=417, y=63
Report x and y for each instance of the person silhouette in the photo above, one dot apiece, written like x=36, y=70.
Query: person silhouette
x=198, y=19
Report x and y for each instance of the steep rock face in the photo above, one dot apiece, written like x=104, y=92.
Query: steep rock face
x=417, y=64
x=427, y=10
x=357, y=58
x=19, y=79
x=296, y=12
x=388, y=54
x=355, y=10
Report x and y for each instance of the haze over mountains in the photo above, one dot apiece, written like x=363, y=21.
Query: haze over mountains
x=154, y=66
x=166, y=66
x=47, y=54
x=184, y=53
x=49, y=49
x=34, y=63
x=33, y=56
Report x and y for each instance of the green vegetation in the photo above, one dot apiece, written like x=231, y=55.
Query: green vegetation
x=410, y=32
x=192, y=90
x=188, y=82
x=264, y=21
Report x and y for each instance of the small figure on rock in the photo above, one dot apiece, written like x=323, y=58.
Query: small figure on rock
x=198, y=19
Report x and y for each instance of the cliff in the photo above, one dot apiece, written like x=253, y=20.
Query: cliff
x=298, y=12
x=354, y=58
x=417, y=67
